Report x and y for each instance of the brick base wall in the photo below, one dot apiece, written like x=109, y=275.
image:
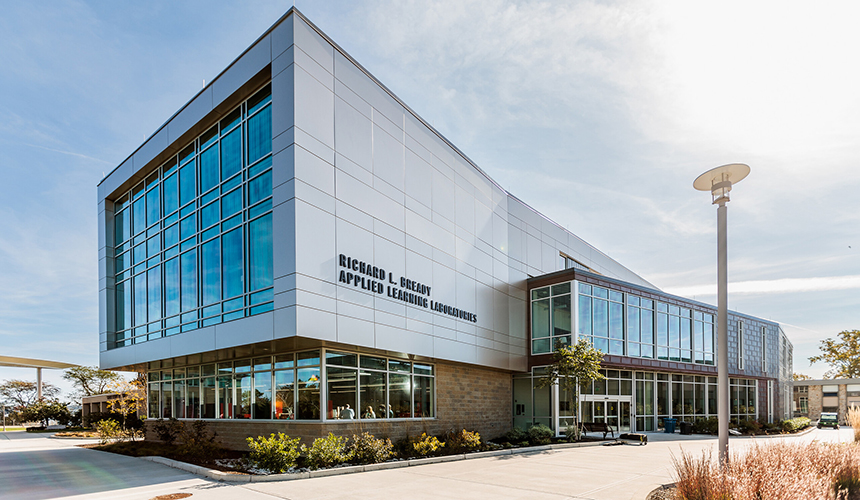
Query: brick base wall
x=474, y=398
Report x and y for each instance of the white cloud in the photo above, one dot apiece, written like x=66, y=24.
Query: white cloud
x=786, y=285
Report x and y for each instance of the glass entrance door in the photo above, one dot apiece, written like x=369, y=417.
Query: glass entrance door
x=614, y=412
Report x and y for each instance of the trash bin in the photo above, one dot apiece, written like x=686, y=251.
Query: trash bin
x=686, y=428
x=669, y=425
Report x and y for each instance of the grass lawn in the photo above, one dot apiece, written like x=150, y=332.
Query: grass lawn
x=11, y=428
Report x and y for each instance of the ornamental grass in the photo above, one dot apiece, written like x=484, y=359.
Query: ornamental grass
x=776, y=471
x=854, y=421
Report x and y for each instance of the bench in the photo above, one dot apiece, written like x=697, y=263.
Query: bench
x=597, y=427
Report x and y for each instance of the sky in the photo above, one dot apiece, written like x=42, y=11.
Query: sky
x=598, y=114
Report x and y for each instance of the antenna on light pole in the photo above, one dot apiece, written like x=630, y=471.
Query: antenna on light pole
x=719, y=182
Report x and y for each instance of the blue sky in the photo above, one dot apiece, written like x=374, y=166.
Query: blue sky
x=598, y=114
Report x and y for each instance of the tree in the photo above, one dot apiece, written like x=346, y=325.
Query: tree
x=800, y=376
x=842, y=355
x=573, y=367
x=132, y=397
x=23, y=393
x=43, y=411
x=89, y=380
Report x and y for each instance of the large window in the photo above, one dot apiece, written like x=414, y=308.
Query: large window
x=742, y=393
x=193, y=240
x=601, y=318
x=551, y=318
x=295, y=386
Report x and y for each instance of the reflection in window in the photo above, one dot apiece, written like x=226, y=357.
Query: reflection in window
x=159, y=218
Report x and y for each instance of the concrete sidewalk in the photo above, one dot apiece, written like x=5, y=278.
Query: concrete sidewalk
x=35, y=466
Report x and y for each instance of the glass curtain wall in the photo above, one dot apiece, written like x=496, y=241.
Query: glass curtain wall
x=193, y=240
x=289, y=387
x=656, y=396
x=620, y=323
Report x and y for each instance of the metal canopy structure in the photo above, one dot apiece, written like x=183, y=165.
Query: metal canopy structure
x=38, y=364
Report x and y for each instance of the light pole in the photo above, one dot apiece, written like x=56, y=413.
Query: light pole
x=719, y=182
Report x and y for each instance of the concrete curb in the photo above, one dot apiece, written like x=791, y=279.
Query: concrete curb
x=229, y=477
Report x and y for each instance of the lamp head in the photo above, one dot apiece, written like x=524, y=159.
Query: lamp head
x=719, y=181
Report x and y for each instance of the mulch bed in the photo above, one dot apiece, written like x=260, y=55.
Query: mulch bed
x=149, y=448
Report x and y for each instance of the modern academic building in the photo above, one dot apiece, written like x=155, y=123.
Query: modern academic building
x=296, y=250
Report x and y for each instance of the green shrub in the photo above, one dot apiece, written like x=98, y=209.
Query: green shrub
x=277, y=453
x=462, y=441
x=516, y=435
x=366, y=449
x=710, y=425
x=167, y=431
x=794, y=424
x=749, y=426
x=539, y=434
x=196, y=441
x=107, y=429
x=768, y=427
x=427, y=446
x=328, y=451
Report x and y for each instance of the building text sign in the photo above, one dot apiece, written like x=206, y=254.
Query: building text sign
x=375, y=279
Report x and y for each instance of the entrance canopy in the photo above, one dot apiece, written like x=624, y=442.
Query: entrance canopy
x=12, y=361
x=38, y=364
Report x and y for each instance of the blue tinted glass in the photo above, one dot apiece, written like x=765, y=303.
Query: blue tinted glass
x=139, y=253
x=171, y=252
x=189, y=280
x=123, y=315
x=139, y=219
x=171, y=287
x=172, y=219
x=186, y=154
x=231, y=119
x=259, y=209
x=208, y=137
x=187, y=184
x=188, y=227
x=231, y=203
x=171, y=194
x=259, y=99
x=260, y=250
x=232, y=270
x=585, y=315
x=210, y=214
x=600, y=310
x=121, y=229
x=231, y=153
x=120, y=262
x=647, y=324
x=260, y=135
x=231, y=223
x=140, y=299
x=153, y=278
x=209, y=169
x=209, y=233
x=662, y=329
x=210, y=266
x=153, y=206
x=235, y=181
x=260, y=297
x=153, y=246
x=259, y=167
x=260, y=188
x=171, y=236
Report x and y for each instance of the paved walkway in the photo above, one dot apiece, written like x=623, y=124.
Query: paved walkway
x=34, y=466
